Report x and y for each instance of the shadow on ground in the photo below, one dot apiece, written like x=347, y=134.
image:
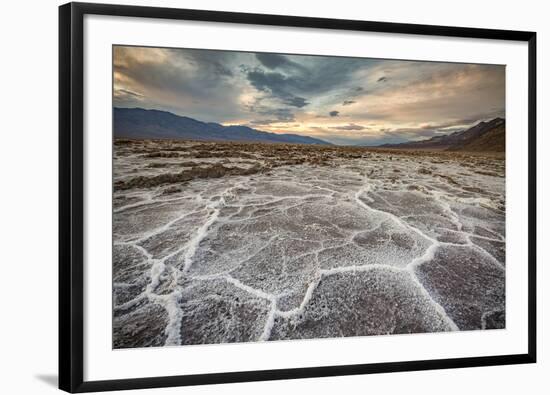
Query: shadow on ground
x=50, y=379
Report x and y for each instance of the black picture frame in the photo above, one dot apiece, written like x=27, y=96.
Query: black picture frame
x=71, y=172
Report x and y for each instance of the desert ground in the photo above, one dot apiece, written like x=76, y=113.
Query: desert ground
x=217, y=242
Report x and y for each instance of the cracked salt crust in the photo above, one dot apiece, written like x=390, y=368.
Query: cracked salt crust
x=370, y=245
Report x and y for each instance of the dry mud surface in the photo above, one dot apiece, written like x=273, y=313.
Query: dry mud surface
x=236, y=242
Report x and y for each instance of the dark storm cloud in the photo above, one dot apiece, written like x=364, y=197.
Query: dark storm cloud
x=276, y=84
x=282, y=114
x=221, y=70
x=334, y=113
x=273, y=61
x=331, y=73
x=294, y=82
x=350, y=126
x=186, y=82
x=206, y=69
x=296, y=101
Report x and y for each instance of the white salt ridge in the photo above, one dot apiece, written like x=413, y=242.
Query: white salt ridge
x=307, y=297
x=171, y=302
x=428, y=256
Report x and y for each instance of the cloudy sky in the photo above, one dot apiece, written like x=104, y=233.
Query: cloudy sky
x=341, y=100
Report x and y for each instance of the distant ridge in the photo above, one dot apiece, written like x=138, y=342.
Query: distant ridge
x=139, y=123
x=484, y=137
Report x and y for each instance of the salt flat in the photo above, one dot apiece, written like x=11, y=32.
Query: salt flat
x=227, y=242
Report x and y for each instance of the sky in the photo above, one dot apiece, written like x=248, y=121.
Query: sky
x=346, y=101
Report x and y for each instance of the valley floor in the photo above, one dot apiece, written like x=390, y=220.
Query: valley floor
x=237, y=242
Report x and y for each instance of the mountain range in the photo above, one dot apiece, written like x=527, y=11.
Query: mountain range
x=484, y=137
x=138, y=123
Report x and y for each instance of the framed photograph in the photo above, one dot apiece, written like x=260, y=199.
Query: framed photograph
x=258, y=197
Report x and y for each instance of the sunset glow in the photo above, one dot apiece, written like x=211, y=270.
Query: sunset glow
x=342, y=100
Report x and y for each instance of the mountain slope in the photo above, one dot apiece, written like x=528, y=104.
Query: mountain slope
x=493, y=139
x=485, y=136
x=155, y=124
